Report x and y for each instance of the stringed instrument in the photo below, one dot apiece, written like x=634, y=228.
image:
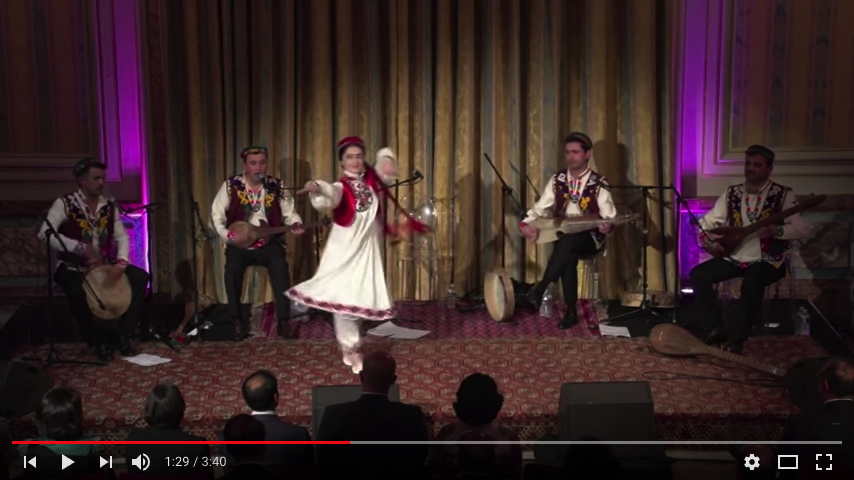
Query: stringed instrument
x=673, y=340
x=550, y=227
x=243, y=234
x=731, y=237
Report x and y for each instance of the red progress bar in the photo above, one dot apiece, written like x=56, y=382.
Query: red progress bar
x=176, y=442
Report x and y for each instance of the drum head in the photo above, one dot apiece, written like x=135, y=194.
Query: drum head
x=113, y=290
x=499, y=296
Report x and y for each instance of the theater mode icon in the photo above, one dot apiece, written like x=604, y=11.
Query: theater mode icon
x=787, y=462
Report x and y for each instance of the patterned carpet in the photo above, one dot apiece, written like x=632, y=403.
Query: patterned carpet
x=529, y=359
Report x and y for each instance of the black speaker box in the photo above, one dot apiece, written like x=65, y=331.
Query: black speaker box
x=609, y=411
x=324, y=395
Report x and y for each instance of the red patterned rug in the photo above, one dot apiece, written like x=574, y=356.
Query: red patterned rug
x=530, y=360
x=447, y=323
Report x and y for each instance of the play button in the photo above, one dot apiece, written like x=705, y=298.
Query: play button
x=66, y=462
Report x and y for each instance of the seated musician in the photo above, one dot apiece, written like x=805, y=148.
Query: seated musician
x=90, y=227
x=255, y=197
x=574, y=190
x=760, y=259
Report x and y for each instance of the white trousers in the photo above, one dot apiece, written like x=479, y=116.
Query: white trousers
x=348, y=336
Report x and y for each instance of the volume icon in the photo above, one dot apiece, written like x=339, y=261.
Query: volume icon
x=141, y=462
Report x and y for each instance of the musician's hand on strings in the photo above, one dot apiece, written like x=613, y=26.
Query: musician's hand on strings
x=606, y=228
x=297, y=229
x=528, y=231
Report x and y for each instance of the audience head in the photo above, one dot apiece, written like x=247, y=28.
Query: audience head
x=164, y=407
x=244, y=428
x=478, y=400
x=261, y=391
x=60, y=414
x=840, y=378
x=378, y=372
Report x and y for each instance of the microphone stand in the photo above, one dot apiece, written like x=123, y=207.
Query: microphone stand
x=53, y=357
x=417, y=177
x=506, y=192
x=645, y=307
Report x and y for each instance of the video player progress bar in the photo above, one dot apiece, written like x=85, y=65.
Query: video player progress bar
x=429, y=442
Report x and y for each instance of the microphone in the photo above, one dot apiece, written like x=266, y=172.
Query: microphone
x=417, y=175
x=261, y=177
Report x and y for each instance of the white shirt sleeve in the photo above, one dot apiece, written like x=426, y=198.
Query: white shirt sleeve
x=328, y=197
x=607, y=209
x=385, y=157
x=542, y=209
x=120, y=235
x=218, y=209
x=56, y=215
x=794, y=227
x=715, y=217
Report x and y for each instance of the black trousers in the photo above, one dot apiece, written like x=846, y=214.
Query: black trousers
x=757, y=276
x=97, y=332
x=272, y=256
x=563, y=264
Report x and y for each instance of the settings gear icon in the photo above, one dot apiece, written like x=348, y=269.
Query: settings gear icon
x=751, y=462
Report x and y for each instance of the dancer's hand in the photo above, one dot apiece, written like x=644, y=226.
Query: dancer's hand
x=530, y=232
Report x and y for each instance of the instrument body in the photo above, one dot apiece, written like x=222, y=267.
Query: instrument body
x=499, y=295
x=243, y=234
x=549, y=228
x=670, y=339
x=112, y=287
x=729, y=237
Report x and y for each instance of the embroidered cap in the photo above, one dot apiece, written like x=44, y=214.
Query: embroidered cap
x=581, y=138
x=84, y=164
x=253, y=150
x=349, y=142
x=762, y=151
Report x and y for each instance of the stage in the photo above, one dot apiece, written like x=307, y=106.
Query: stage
x=529, y=358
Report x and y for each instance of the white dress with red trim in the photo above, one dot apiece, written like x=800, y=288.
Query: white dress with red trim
x=350, y=278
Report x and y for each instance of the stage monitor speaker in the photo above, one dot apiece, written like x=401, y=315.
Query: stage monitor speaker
x=609, y=411
x=21, y=388
x=324, y=395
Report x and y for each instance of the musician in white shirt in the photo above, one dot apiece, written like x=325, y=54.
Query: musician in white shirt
x=90, y=233
x=257, y=198
x=760, y=259
x=574, y=190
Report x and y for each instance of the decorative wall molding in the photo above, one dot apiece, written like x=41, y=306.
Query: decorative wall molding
x=706, y=157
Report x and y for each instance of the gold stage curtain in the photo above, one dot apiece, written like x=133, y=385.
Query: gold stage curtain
x=440, y=82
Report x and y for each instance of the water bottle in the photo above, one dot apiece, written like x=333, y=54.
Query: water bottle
x=547, y=305
x=451, y=299
x=802, y=324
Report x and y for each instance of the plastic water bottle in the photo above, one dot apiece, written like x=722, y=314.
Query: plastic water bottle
x=547, y=305
x=451, y=299
x=802, y=323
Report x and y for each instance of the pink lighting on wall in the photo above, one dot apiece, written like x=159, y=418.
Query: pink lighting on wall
x=121, y=111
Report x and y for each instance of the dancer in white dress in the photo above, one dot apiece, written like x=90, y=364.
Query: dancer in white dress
x=350, y=280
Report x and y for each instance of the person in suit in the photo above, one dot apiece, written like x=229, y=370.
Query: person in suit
x=163, y=412
x=246, y=461
x=477, y=406
x=831, y=420
x=374, y=417
x=261, y=393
